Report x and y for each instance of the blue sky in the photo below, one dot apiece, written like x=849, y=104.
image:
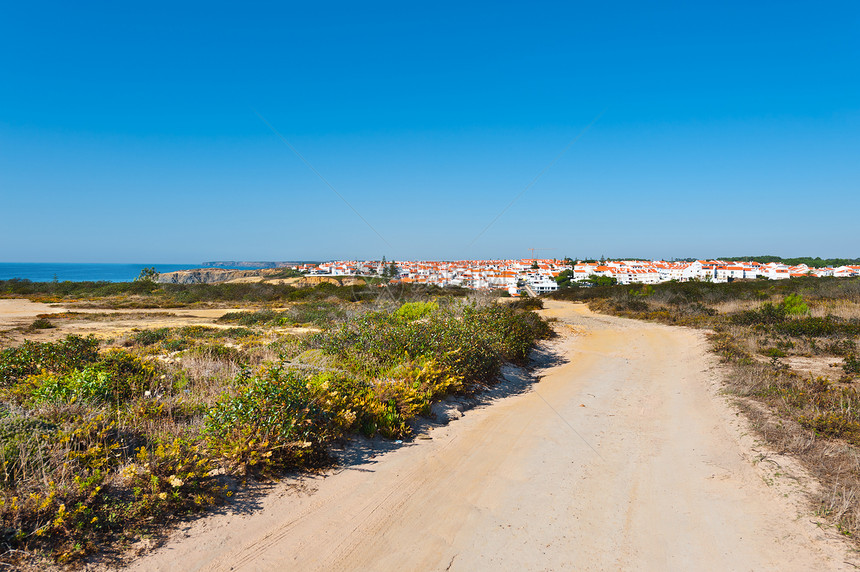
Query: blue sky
x=128, y=131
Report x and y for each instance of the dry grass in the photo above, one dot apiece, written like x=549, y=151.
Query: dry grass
x=835, y=465
x=845, y=309
x=777, y=400
x=734, y=306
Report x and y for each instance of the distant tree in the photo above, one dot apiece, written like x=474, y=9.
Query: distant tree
x=388, y=270
x=534, y=266
x=148, y=274
x=603, y=280
x=565, y=279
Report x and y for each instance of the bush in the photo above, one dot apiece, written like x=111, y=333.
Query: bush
x=136, y=374
x=150, y=337
x=170, y=477
x=41, y=324
x=774, y=353
x=527, y=303
x=851, y=365
x=272, y=422
x=416, y=310
x=254, y=318
x=234, y=333
x=116, y=378
x=32, y=357
x=175, y=345
x=810, y=327
x=633, y=305
x=85, y=385
x=470, y=340
x=832, y=424
x=767, y=314
x=794, y=305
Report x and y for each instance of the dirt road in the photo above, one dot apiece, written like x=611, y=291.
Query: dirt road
x=620, y=458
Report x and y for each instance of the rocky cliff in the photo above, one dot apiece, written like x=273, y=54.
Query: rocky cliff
x=267, y=275
x=204, y=276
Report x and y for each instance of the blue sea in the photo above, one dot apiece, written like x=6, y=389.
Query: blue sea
x=46, y=272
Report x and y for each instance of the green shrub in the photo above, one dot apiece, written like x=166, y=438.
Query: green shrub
x=175, y=345
x=32, y=357
x=470, y=340
x=88, y=384
x=794, y=305
x=41, y=324
x=833, y=424
x=774, y=353
x=150, y=337
x=851, y=365
x=197, y=331
x=416, y=310
x=115, y=378
x=272, y=421
x=767, y=314
x=169, y=477
x=259, y=317
x=138, y=375
x=234, y=333
x=810, y=327
x=527, y=303
x=632, y=305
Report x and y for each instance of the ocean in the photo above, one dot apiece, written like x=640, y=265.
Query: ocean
x=75, y=272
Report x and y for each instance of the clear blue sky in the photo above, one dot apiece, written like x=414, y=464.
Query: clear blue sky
x=128, y=132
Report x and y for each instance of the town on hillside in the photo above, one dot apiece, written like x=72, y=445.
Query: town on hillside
x=539, y=276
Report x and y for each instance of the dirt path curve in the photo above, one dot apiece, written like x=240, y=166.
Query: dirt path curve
x=622, y=458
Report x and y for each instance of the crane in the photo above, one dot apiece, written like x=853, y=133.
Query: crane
x=533, y=250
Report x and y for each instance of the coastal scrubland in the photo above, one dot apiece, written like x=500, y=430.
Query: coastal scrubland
x=105, y=440
x=791, y=349
x=143, y=294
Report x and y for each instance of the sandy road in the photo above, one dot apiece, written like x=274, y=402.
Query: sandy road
x=620, y=458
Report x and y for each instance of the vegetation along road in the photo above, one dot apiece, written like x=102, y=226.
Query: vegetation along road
x=622, y=455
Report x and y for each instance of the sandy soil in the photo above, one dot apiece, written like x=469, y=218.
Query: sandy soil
x=829, y=367
x=17, y=311
x=17, y=314
x=621, y=457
